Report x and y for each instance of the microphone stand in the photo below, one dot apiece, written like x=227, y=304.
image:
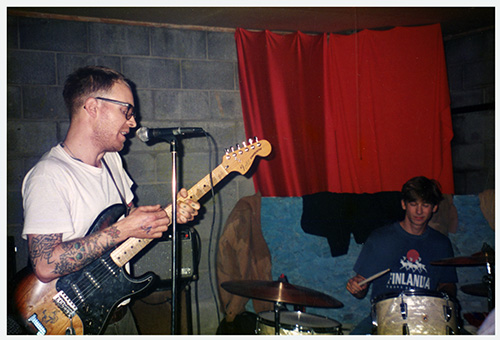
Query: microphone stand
x=173, y=150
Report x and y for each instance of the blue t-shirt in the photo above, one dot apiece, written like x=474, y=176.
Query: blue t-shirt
x=408, y=257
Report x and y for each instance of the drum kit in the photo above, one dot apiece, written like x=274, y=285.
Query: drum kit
x=281, y=321
x=415, y=312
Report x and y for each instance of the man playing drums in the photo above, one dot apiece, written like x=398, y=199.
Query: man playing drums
x=403, y=252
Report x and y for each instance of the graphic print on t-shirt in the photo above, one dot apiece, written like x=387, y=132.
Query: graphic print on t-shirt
x=411, y=274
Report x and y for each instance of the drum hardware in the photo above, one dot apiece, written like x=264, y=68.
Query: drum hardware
x=447, y=312
x=406, y=329
x=296, y=323
x=281, y=292
x=485, y=257
x=420, y=312
x=403, y=307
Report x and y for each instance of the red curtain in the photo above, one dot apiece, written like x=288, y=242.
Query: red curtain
x=347, y=113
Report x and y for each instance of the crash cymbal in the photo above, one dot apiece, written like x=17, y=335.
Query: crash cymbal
x=476, y=259
x=284, y=292
x=476, y=289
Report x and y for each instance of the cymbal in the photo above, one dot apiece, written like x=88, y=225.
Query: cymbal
x=476, y=259
x=476, y=289
x=284, y=292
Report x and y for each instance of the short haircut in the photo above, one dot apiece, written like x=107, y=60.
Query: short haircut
x=422, y=188
x=86, y=81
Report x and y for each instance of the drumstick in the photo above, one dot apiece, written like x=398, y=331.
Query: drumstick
x=373, y=277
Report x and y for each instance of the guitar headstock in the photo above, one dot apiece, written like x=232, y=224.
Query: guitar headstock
x=241, y=157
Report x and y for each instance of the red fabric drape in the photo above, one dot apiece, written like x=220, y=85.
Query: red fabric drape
x=359, y=113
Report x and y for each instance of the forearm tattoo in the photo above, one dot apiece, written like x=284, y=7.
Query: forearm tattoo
x=76, y=253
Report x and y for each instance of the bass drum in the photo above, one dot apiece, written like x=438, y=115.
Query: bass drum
x=415, y=312
x=297, y=323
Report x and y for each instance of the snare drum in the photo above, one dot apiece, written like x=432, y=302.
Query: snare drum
x=297, y=323
x=415, y=312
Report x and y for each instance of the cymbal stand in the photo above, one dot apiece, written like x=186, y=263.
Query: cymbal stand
x=278, y=307
x=489, y=280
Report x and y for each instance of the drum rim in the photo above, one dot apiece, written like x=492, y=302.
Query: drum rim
x=336, y=325
x=410, y=293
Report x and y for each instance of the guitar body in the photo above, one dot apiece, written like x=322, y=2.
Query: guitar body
x=87, y=296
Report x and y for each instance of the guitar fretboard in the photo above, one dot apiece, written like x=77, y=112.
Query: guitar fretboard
x=132, y=246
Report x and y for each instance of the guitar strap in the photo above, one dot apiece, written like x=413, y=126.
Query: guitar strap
x=127, y=208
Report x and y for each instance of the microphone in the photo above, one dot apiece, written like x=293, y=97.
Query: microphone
x=145, y=134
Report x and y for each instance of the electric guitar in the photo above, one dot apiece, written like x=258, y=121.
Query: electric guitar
x=81, y=302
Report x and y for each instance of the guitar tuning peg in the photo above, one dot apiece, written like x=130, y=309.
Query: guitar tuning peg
x=244, y=144
x=232, y=148
x=226, y=150
x=256, y=139
x=250, y=141
x=238, y=146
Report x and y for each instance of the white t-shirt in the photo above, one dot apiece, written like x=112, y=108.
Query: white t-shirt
x=64, y=195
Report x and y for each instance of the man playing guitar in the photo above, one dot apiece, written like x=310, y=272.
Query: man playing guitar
x=82, y=176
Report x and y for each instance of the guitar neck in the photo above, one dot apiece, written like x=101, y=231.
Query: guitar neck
x=132, y=246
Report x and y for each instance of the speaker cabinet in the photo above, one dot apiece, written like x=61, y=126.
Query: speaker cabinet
x=157, y=257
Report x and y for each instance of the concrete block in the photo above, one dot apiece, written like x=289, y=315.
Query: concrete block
x=14, y=207
x=225, y=104
x=178, y=105
x=459, y=181
x=43, y=102
x=455, y=77
x=12, y=32
x=25, y=67
x=472, y=47
x=14, y=102
x=30, y=138
x=15, y=173
x=144, y=105
x=473, y=127
x=479, y=74
x=477, y=181
x=173, y=43
x=203, y=75
x=150, y=194
x=67, y=63
x=53, y=35
x=118, y=39
x=221, y=46
x=152, y=73
x=468, y=157
x=141, y=167
x=462, y=98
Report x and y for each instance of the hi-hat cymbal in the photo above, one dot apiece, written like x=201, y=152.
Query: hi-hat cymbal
x=284, y=292
x=476, y=289
x=476, y=259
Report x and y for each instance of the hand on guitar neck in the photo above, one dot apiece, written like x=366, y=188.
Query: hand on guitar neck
x=152, y=221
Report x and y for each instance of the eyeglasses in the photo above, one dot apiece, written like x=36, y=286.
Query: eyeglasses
x=130, y=108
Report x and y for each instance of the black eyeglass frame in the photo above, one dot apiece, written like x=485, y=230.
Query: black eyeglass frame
x=130, y=108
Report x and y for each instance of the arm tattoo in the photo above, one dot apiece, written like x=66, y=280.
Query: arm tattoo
x=77, y=253
x=41, y=248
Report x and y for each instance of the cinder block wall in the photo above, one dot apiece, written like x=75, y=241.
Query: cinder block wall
x=187, y=77
x=470, y=61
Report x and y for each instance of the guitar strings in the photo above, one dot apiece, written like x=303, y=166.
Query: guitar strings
x=100, y=276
